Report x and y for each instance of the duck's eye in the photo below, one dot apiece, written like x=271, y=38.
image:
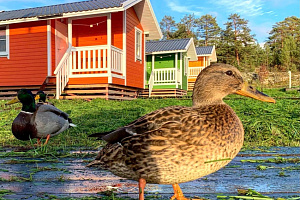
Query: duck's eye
x=229, y=73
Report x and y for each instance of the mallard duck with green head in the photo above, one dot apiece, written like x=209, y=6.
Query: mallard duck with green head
x=43, y=121
x=178, y=144
x=41, y=97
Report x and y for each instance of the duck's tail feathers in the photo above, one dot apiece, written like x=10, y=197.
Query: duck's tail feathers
x=72, y=125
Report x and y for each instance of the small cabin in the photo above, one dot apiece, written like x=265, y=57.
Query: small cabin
x=167, y=67
x=86, y=49
x=205, y=56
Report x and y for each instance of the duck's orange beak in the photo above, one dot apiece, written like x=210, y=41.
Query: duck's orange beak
x=249, y=91
x=37, y=97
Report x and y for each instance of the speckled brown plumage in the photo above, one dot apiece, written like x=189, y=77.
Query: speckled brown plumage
x=191, y=134
x=178, y=144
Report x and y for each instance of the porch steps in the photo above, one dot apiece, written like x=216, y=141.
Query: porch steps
x=191, y=85
x=163, y=93
x=104, y=91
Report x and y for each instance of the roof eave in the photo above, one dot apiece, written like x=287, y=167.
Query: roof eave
x=201, y=55
x=64, y=15
x=165, y=52
x=148, y=19
x=129, y=3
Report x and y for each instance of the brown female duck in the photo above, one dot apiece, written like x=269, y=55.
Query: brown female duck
x=177, y=144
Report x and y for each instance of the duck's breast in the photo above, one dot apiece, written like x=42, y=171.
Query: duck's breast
x=23, y=127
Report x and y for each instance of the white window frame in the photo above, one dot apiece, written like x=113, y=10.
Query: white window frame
x=138, y=46
x=6, y=52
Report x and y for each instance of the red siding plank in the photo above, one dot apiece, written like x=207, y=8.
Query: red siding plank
x=135, y=69
x=28, y=55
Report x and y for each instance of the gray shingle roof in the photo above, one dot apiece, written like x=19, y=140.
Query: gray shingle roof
x=60, y=8
x=166, y=45
x=204, y=50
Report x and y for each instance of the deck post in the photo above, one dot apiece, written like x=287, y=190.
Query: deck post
x=70, y=45
x=180, y=65
x=124, y=47
x=176, y=68
x=109, y=66
x=49, y=58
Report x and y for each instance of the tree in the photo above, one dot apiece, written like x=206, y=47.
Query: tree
x=167, y=26
x=185, y=28
x=288, y=53
x=284, y=42
x=208, y=29
x=190, y=23
x=238, y=34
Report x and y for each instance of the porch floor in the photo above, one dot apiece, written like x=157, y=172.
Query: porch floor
x=88, y=91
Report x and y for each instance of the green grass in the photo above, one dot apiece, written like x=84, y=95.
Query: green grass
x=265, y=124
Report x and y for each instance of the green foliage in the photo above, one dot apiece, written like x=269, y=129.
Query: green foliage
x=167, y=26
x=208, y=30
x=236, y=45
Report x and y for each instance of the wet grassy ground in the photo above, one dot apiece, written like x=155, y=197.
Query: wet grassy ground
x=274, y=173
x=57, y=172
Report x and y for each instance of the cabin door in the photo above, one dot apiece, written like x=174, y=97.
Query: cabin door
x=61, y=40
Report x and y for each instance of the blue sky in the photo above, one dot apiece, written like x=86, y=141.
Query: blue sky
x=261, y=14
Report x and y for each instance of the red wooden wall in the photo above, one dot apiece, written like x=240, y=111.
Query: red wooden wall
x=117, y=29
x=85, y=35
x=135, y=69
x=28, y=55
x=28, y=49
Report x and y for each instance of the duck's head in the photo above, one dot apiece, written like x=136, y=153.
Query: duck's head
x=41, y=96
x=219, y=80
x=26, y=97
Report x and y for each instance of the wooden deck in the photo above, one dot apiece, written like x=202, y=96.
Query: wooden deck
x=7, y=93
x=104, y=91
x=91, y=91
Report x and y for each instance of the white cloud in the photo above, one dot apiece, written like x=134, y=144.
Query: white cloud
x=244, y=8
x=175, y=6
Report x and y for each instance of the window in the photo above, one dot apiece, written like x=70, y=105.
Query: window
x=138, y=44
x=3, y=41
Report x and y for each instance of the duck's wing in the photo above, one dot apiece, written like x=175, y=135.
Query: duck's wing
x=146, y=123
x=51, y=120
x=205, y=126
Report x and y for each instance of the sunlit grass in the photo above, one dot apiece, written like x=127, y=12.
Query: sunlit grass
x=265, y=124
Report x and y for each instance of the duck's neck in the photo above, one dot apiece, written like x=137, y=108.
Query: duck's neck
x=29, y=107
x=206, y=102
x=204, y=98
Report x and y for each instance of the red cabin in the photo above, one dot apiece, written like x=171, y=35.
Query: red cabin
x=85, y=49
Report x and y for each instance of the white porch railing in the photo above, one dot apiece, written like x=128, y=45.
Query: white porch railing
x=116, y=59
x=194, y=71
x=94, y=59
x=165, y=76
x=62, y=73
x=88, y=61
